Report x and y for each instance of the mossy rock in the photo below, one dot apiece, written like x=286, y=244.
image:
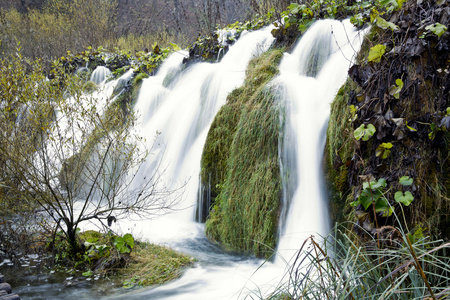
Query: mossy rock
x=405, y=121
x=240, y=158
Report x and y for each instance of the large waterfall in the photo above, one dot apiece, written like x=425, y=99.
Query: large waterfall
x=181, y=104
x=176, y=108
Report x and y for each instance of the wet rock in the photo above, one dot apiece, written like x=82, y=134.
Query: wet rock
x=6, y=290
x=5, y=287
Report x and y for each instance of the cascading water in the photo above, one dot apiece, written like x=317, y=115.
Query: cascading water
x=176, y=108
x=100, y=75
x=309, y=79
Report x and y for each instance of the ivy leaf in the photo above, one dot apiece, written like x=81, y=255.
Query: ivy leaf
x=376, y=52
x=396, y=89
x=382, y=205
x=364, y=133
x=376, y=184
x=405, y=180
x=405, y=199
x=382, y=23
x=368, y=196
x=383, y=150
x=437, y=28
x=129, y=240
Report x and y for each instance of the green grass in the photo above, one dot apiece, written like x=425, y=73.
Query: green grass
x=152, y=264
x=388, y=268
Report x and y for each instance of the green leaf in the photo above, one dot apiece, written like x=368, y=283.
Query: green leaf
x=396, y=89
x=381, y=183
x=383, y=150
x=368, y=196
x=437, y=28
x=382, y=205
x=405, y=180
x=448, y=112
x=392, y=4
x=124, y=244
x=87, y=273
x=129, y=240
x=376, y=52
x=364, y=133
x=382, y=23
x=405, y=199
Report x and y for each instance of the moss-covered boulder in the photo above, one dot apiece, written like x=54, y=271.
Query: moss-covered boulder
x=240, y=163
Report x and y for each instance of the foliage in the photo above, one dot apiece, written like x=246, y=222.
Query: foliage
x=151, y=264
x=383, y=150
x=396, y=89
x=394, y=266
x=71, y=154
x=364, y=132
x=372, y=194
x=241, y=153
x=405, y=106
x=376, y=53
x=124, y=244
x=437, y=28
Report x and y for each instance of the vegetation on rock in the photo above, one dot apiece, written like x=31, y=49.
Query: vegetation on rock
x=241, y=160
x=403, y=93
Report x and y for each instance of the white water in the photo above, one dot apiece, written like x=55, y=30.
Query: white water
x=309, y=79
x=181, y=104
x=100, y=75
x=183, y=111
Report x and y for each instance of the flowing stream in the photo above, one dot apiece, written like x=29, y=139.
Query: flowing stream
x=176, y=108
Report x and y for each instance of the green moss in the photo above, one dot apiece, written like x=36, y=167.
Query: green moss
x=339, y=151
x=241, y=155
x=138, y=78
x=89, y=87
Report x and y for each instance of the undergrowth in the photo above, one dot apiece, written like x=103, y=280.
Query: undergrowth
x=397, y=267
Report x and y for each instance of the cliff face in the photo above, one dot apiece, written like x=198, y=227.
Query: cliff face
x=391, y=122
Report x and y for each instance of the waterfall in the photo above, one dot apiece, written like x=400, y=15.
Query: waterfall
x=100, y=74
x=175, y=110
x=308, y=81
x=182, y=111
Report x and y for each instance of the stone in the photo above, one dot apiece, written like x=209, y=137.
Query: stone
x=5, y=287
x=10, y=297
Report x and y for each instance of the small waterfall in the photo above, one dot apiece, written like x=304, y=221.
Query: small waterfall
x=100, y=74
x=176, y=108
x=308, y=81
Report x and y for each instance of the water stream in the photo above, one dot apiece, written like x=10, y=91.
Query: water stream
x=176, y=108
